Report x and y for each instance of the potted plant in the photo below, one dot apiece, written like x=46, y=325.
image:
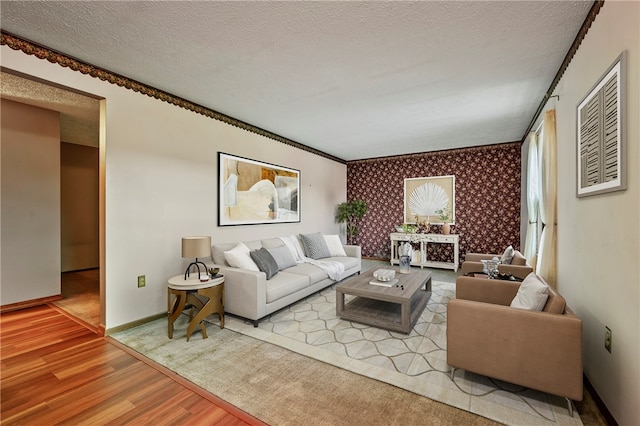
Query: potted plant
x=443, y=215
x=351, y=212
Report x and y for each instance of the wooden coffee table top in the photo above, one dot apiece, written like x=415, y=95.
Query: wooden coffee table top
x=359, y=286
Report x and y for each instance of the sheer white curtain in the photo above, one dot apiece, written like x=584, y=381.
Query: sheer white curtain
x=546, y=266
x=531, y=239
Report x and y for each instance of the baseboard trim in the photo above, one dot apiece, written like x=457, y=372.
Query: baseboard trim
x=608, y=417
x=134, y=323
x=29, y=303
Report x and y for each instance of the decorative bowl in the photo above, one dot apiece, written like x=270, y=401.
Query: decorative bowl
x=384, y=275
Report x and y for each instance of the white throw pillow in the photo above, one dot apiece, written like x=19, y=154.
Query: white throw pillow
x=335, y=246
x=507, y=256
x=240, y=257
x=532, y=294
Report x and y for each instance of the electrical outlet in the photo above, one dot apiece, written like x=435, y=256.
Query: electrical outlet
x=142, y=281
x=607, y=339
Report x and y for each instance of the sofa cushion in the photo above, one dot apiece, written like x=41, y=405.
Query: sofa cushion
x=239, y=257
x=266, y=263
x=314, y=273
x=348, y=262
x=532, y=294
x=315, y=246
x=335, y=246
x=507, y=256
x=285, y=284
x=272, y=242
x=283, y=257
x=217, y=252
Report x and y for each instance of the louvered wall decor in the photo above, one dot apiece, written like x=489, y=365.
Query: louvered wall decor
x=600, y=133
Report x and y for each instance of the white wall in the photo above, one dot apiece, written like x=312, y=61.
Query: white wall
x=599, y=236
x=161, y=180
x=30, y=203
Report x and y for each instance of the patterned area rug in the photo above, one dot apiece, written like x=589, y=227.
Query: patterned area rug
x=416, y=362
x=266, y=359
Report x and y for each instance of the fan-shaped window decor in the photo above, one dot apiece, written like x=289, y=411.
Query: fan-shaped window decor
x=425, y=197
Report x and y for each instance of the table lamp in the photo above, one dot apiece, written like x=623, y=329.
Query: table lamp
x=195, y=247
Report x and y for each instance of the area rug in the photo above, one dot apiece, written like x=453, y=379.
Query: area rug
x=393, y=367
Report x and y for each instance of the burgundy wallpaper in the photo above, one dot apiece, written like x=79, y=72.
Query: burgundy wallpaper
x=487, y=187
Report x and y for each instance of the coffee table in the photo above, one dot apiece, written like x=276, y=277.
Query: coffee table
x=394, y=308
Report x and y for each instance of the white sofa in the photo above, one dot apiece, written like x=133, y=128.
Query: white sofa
x=249, y=294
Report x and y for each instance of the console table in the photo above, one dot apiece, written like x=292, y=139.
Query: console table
x=424, y=239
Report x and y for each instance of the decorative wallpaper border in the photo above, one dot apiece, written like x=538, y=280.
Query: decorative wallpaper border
x=30, y=48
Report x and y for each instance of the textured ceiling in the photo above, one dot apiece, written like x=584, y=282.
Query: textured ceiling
x=79, y=114
x=353, y=79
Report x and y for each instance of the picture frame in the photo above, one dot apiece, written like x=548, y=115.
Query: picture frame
x=254, y=192
x=600, y=134
x=426, y=195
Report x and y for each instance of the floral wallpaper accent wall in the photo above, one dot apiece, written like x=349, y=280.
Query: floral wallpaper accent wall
x=487, y=192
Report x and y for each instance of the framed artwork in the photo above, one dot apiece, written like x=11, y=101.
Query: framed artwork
x=601, y=134
x=425, y=196
x=253, y=192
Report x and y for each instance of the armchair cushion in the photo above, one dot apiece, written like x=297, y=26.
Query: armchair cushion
x=507, y=256
x=532, y=294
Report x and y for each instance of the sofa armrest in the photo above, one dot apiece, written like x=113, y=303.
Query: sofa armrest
x=499, y=292
x=245, y=292
x=353, y=251
x=518, y=271
x=471, y=266
x=538, y=350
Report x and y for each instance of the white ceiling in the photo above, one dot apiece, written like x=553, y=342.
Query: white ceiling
x=352, y=79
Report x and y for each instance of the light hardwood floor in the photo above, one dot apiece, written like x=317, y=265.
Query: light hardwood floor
x=56, y=370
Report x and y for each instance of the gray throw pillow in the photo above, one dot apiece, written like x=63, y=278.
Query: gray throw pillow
x=315, y=246
x=266, y=263
x=283, y=257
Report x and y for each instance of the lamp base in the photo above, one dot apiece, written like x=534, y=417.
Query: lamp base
x=197, y=264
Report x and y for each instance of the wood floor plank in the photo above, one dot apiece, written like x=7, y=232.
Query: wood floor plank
x=57, y=371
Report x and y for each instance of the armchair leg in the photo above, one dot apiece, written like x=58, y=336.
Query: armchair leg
x=570, y=407
x=452, y=373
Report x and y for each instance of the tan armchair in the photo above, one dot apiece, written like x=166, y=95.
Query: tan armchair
x=538, y=350
x=519, y=267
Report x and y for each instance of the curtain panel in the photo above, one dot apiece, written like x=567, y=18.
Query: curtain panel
x=546, y=264
x=531, y=238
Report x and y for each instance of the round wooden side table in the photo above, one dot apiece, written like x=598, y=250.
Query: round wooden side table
x=205, y=297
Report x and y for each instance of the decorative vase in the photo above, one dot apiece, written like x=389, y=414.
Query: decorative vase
x=446, y=228
x=405, y=253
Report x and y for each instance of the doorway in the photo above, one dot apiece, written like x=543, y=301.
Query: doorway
x=81, y=200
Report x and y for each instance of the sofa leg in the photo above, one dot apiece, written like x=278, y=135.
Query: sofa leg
x=255, y=323
x=452, y=373
x=570, y=407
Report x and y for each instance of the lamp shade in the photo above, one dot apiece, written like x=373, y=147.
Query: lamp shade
x=194, y=247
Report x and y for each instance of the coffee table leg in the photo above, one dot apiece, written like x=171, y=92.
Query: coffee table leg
x=405, y=312
x=339, y=302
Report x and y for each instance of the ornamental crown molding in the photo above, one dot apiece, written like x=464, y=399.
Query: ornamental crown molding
x=41, y=52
